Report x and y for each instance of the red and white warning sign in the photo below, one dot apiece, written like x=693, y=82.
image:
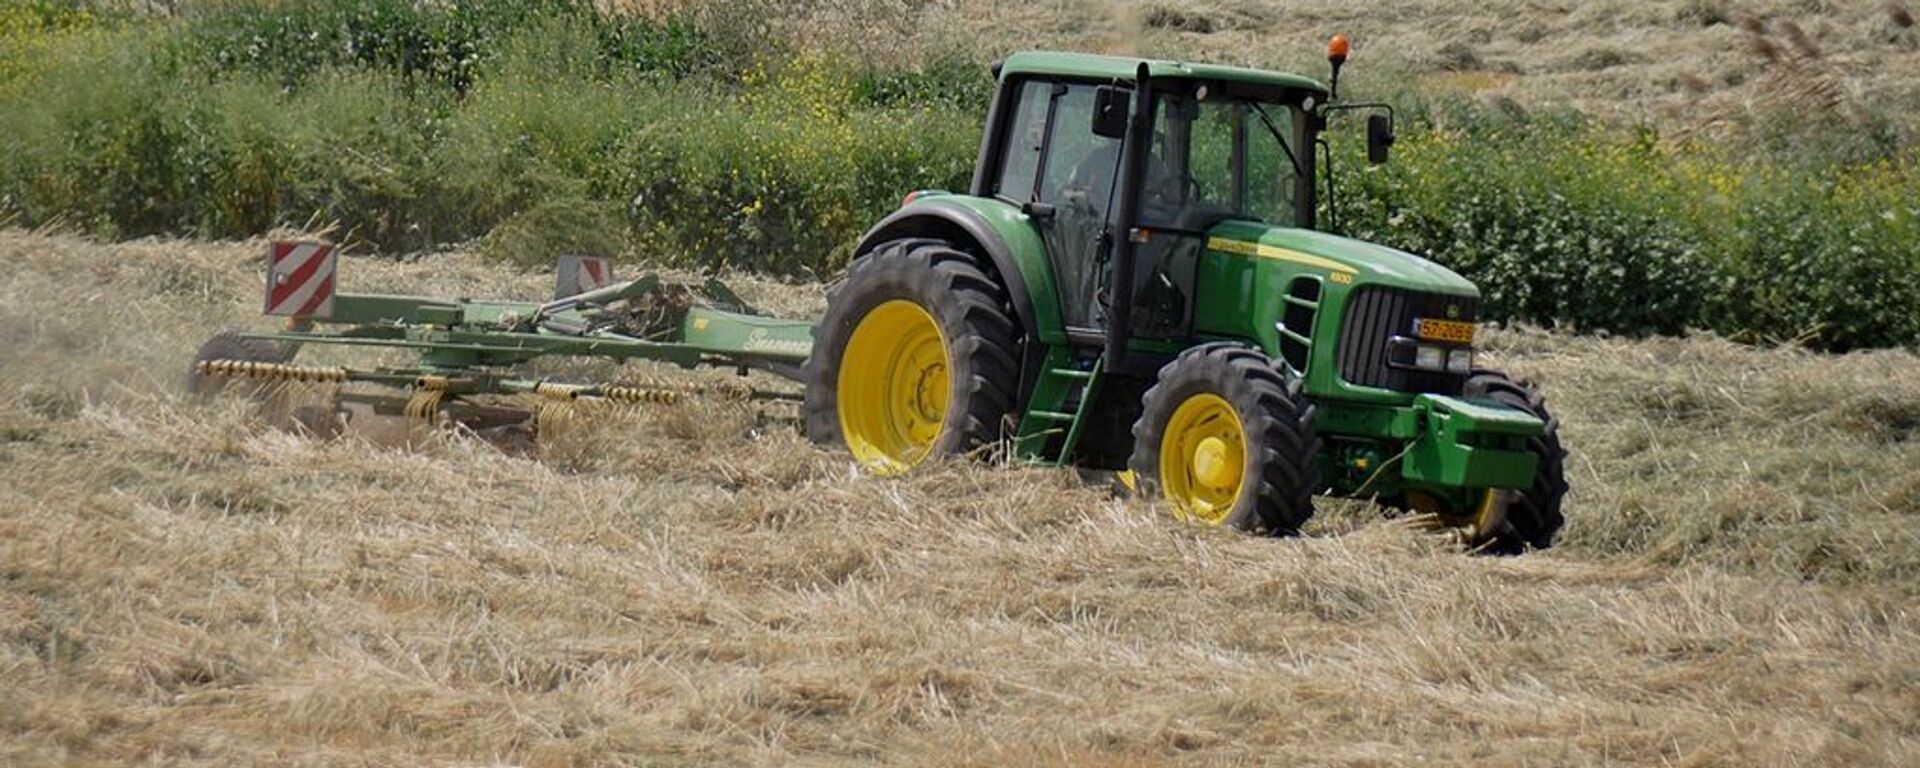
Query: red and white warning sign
x=300, y=279
x=579, y=274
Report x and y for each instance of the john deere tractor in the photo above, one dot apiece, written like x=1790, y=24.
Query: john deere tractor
x=1138, y=279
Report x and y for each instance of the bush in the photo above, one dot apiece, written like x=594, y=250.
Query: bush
x=1832, y=261
x=779, y=173
x=780, y=176
x=113, y=143
x=785, y=178
x=28, y=28
x=947, y=81
x=1564, y=223
x=443, y=44
x=1555, y=225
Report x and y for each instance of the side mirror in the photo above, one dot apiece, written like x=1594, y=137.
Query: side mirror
x=1110, y=105
x=1379, y=137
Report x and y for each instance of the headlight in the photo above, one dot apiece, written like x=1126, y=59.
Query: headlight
x=1430, y=358
x=1408, y=354
x=1460, y=361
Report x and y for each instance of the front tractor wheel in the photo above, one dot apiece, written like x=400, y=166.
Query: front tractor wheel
x=1225, y=439
x=915, y=358
x=1495, y=521
x=1533, y=513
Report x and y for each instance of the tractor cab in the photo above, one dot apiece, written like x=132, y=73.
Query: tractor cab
x=1217, y=152
x=1211, y=144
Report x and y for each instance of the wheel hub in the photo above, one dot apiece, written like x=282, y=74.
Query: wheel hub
x=930, y=393
x=1210, y=465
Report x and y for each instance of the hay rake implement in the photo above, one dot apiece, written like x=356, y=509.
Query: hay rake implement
x=467, y=350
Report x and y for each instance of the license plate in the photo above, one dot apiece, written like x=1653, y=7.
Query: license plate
x=1453, y=331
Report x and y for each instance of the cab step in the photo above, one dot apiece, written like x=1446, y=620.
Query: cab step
x=1062, y=381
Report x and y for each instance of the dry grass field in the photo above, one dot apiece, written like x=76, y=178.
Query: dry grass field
x=692, y=585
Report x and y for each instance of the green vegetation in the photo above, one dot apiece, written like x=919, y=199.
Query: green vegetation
x=572, y=130
x=1560, y=222
x=699, y=139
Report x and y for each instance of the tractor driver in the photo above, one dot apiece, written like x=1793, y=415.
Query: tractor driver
x=1085, y=199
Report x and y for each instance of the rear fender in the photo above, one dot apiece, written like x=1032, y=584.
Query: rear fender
x=995, y=230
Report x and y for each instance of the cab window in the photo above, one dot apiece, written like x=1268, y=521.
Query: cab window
x=1215, y=158
x=1025, y=134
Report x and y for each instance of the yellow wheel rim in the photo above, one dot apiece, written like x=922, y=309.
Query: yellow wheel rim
x=1478, y=522
x=1203, y=458
x=1425, y=504
x=895, y=383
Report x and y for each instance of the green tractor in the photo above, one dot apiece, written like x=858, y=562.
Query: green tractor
x=1137, y=281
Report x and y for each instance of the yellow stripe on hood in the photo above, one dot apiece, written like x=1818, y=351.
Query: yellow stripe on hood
x=1264, y=251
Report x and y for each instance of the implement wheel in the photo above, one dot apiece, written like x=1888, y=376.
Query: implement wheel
x=1225, y=439
x=916, y=357
x=229, y=345
x=272, y=401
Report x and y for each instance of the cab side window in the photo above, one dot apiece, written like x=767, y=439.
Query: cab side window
x=1054, y=158
x=1025, y=135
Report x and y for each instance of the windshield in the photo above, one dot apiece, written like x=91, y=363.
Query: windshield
x=1219, y=157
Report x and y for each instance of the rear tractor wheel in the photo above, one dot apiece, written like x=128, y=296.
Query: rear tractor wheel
x=916, y=357
x=1225, y=439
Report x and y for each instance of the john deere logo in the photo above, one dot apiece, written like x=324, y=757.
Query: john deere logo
x=1453, y=311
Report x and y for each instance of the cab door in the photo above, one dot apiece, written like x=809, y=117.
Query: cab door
x=1064, y=176
x=1191, y=183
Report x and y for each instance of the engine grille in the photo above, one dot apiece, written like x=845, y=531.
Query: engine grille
x=1376, y=313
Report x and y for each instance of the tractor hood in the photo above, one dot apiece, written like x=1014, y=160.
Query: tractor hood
x=1366, y=262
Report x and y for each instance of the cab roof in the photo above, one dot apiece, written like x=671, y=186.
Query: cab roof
x=1124, y=68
